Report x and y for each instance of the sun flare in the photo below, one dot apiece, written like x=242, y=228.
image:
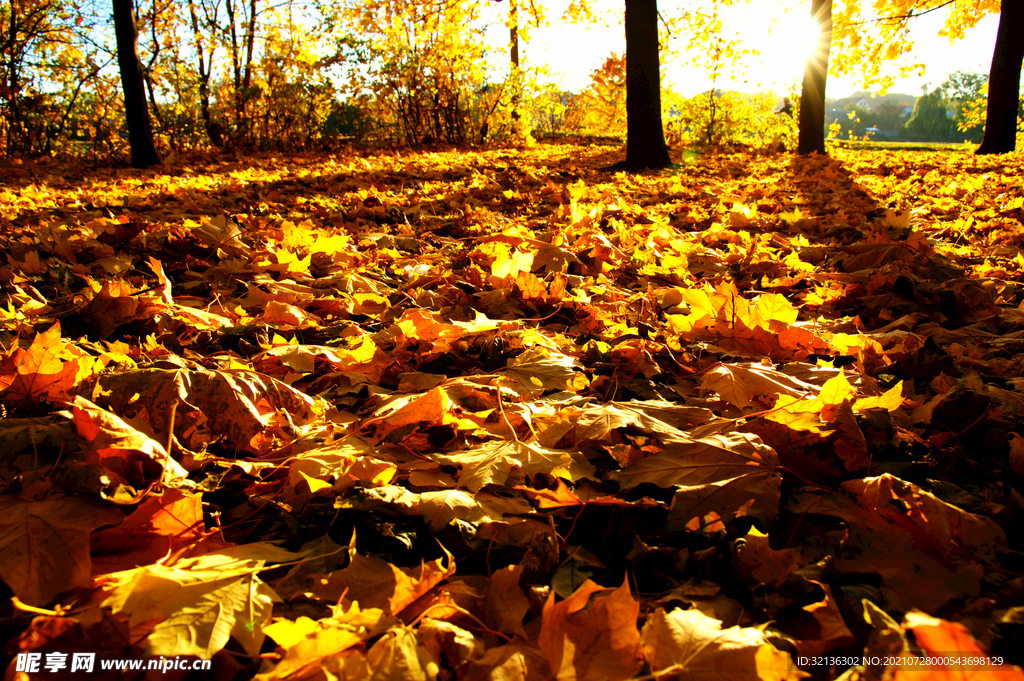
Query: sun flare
x=791, y=39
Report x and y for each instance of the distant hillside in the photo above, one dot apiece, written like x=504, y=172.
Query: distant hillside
x=895, y=98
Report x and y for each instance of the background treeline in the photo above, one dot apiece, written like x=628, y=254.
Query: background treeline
x=293, y=75
x=301, y=75
x=246, y=74
x=952, y=112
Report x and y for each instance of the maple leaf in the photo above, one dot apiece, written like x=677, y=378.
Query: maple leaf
x=688, y=641
x=362, y=357
x=693, y=462
x=50, y=369
x=829, y=412
x=308, y=643
x=158, y=527
x=755, y=494
x=517, y=660
x=221, y=233
x=32, y=436
x=433, y=408
x=537, y=370
x=242, y=406
x=119, y=447
x=492, y=463
x=747, y=385
x=506, y=603
x=195, y=605
x=374, y=583
x=44, y=545
x=591, y=639
x=764, y=328
x=343, y=462
x=944, y=545
x=597, y=423
x=397, y=655
x=757, y=560
x=941, y=639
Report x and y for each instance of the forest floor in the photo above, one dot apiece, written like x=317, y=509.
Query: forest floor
x=503, y=414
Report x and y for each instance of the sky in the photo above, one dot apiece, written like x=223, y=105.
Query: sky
x=571, y=52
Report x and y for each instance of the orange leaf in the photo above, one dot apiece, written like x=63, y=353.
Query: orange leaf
x=49, y=369
x=588, y=639
x=158, y=527
x=941, y=639
x=44, y=545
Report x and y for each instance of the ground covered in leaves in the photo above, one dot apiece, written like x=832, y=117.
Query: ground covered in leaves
x=507, y=415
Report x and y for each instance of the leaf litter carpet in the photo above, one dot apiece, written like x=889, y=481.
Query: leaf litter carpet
x=504, y=415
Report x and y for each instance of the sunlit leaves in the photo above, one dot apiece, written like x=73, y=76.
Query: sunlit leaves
x=49, y=369
x=690, y=641
x=499, y=376
x=196, y=605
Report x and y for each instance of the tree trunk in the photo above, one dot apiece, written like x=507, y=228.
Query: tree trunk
x=140, y=131
x=1004, y=81
x=213, y=130
x=517, y=85
x=645, y=139
x=812, y=95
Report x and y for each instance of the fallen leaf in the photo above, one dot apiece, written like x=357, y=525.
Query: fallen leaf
x=245, y=407
x=50, y=369
x=680, y=643
x=592, y=635
x=44, y=545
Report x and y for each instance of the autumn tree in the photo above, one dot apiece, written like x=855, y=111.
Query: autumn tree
x=423, y=62
x=967, y=95
x=204, y=64
x=25, y=26
x=717, y=55
x=929, y=119
x=136, y=111
x=604, y=99
x=516, y=75
x=241, y=33
x=866, y=43
x=47, y=66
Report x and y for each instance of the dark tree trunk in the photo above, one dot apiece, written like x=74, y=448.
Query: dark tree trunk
x=140, y=130
x=517, y=85
x=1004, y=81
x=645, y=139
x=812, y=95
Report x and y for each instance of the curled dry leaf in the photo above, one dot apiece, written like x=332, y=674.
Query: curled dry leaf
x=119, y=447
x=246, y=408
x=161, y=526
